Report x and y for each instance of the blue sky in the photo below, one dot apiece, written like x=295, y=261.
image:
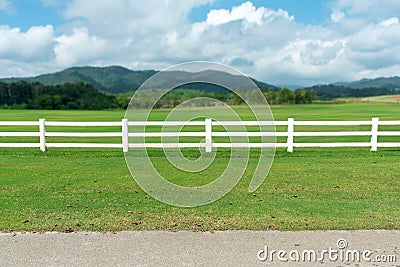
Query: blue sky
x=278, y=41
x=26, y=13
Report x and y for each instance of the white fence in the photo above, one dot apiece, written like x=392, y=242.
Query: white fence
x=208, y=134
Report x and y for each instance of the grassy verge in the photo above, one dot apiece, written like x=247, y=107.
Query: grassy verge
x=93, y=190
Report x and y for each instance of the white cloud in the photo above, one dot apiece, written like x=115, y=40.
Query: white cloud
x=360, y=39
x=239, y=36
x=79, y=47
x=278, y=49
x=376, y=45
x=119, y=18
x=337, y=16
x=376, y=37
x=5, y=5
x=245, y=11
x=312, y=52
x=13, y=68
x=35, y=44
x=389, y=22
x=371, y=10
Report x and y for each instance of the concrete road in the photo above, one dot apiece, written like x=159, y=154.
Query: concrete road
x=229, y=248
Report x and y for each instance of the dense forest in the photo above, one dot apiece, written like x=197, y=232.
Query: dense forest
x=331, y=91
x=34, y=95
x=112, y=88
x=83, y=96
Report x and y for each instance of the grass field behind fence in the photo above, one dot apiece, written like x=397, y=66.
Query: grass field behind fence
x=92, y=189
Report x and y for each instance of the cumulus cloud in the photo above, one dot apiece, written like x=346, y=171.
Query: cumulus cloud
x=145, y=29
x=360, y=39
x=277, y=48
x=35, y=44
x=238, y=35
x=79, y=47
x=274, y=47
x=371, y=10
x=376, y=46
x=118, y=18
x=390, y=22
x=337, y=16
x=260, y=41
x=245, y=11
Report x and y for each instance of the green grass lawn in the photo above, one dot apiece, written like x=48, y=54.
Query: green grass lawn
x=92, y=189
x=359, y=111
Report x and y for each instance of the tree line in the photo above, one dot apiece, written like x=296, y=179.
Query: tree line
x=331, y=91
x=24, y=95
x=83, y=96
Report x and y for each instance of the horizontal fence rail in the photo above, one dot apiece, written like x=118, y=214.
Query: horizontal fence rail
x=207, y=133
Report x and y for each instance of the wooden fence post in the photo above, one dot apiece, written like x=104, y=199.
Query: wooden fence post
x=374, y=134
x=208, y=126
x=290, y=138
x=125, y=137
x=42, y=134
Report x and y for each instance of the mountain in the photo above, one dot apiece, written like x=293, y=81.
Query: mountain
x=381, y=82
x=116, y=79
x=332, y=91
x=361, y=88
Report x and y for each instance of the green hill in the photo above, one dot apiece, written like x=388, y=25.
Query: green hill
x=116, y=79
x=112, y=79
x=382, y=82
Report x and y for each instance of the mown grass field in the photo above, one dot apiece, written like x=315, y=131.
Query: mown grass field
x=92, y=189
